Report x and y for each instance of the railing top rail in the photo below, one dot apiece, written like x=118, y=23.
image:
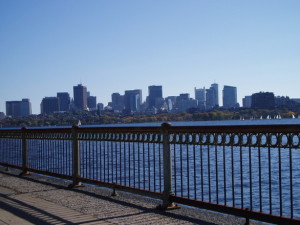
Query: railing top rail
x=284, y=128
x=293, y=128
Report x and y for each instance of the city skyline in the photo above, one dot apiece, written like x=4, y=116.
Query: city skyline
x=113, y=46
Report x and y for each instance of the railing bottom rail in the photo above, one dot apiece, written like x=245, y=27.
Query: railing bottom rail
x=246, y=213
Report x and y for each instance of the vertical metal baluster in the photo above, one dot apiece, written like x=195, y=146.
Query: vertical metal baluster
x=116, y=162
x=112, y=161
x=93, y=157
x=134, y=164
x=280, y=181
x=270, y=180
x=250, y=176
x=160, y=173
x=120, y=156
x=101, y=160
x=242, y=178
x=232, y=180
x=181, y=170
x=202, y=184
x=260, y=179
x=144, y=172
x=154, y=167
x=195, y=171
x=129, y=163
x=124, y=158
x=139, y=165
x=291, y=179
x=96, y=167
x=104, y=160
x=48, y=154
x=108, y=161
x=208, y=168
x=224, y=174
x=188, y=170
x=149, y=168
x=217, y=171
x=175, y=168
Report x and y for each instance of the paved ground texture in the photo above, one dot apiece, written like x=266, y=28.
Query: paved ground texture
x=37, y=199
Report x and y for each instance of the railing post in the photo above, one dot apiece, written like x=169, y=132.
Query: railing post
x=75, y=158
x=167, y=166
x=24, y=152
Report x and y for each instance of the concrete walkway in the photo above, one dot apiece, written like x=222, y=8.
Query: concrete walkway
x=39, y=199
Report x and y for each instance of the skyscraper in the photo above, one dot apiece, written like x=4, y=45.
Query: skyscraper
x=200, y=96
x=92, y=102
x=229, y=97
x=247, y=101
x=155, y=92
x=64, y=101
x=49, y=105
x=80, y=97
x=117, y=101
x=18, y=108
x=212, y=96
x=133, y=100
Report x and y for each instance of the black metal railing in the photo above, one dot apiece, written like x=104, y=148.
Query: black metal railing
x=248, y=171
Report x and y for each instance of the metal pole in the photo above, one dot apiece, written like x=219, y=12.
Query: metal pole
x=75, y=158
x=167, y=165
x=24, y=152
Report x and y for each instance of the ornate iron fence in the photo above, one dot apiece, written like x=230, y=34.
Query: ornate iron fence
x=248, y=171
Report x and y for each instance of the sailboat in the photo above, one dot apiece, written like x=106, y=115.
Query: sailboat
x=79, y=123
x=293, y=116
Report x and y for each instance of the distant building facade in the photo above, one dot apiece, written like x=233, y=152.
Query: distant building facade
x=229, y=97
x=92, y=103
x=18, y=108
x=263, y=100
x=2, y=115
x=80, y=97
x=247, y=101
x=49, y=105
x=184, y=102
x=212, y=96
x=117, y=102
x=154, y=95
x=64, y=101
x=133, y=100
x=200, y=96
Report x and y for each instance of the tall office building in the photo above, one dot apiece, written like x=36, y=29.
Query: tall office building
x=80, y=97
x=18, y=108
x=133, y=100
x=155, y=93
x=229, y=97
x=212, y=96
x=247, y=101
x=117, y=101
x=200, y=96
x=49, y=105
x=92, y=103
x=64, y=101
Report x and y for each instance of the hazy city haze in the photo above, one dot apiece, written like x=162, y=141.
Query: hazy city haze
x=112, y=46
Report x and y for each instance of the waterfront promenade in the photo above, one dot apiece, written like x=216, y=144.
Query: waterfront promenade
x=37, y=199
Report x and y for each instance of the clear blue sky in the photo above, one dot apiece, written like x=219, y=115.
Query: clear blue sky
x=116, y=45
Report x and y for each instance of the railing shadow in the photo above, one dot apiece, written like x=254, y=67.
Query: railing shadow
x=38, y=216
